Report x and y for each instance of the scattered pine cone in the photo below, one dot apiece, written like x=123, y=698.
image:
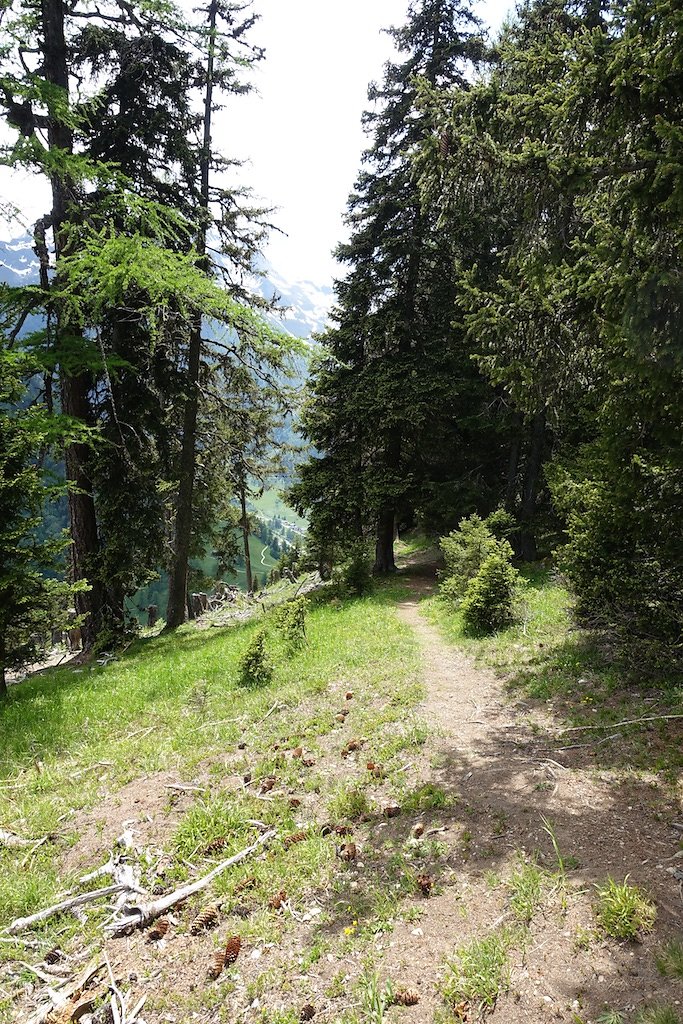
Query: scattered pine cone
x=275, y=902
x=294, y=801
x=308, y=762
x=267, y=784
x=418, y=830
x=206, y=918
x=54, y=956
x=232, y=949
x=298, y=752
x=340, y=717
x=349, y=694
x=247, y=883
x=408, y=997
x=241, y=910
x=216, y=845
x=217, y=964
x=296, y=837
x=348, y=851
x=391, y=810
x=307, y=1012
x=343, y=830
x=158, y=930
x=425, y=884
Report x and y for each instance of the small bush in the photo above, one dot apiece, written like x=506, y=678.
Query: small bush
x=291, y=622
x=489, y=599
x=467, y=548
x=354, y=576
x=255, y=666
x=623, y=910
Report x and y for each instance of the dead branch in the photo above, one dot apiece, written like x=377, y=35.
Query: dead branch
x=13, y=842
x=139, y=917
x=22, y=923
x=616, y=725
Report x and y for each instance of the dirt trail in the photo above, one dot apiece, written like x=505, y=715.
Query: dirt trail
x=498, y=760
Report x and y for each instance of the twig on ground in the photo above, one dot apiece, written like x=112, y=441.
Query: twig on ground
x=14, y=842
x=180, y=788
x=22, y=923
x=275, y=707
x=92, y=768
x=593, y=743
x=140, y=916
x=616, y=725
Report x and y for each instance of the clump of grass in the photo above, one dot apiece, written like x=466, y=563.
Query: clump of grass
x=610, y=1017
x=669, y=959
x=660, y=1013
x=375, y=998
x=217, y=818
x=479, y=972
x=526, y=890
x=426, y=798
x=624, y=911
x=351, y=803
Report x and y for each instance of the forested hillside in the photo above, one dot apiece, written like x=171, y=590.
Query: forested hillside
x=423, y=763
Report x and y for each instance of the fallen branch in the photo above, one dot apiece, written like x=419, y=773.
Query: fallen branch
x=22, y=923
x=12, y=842
x=616, y=725
x=139, y=917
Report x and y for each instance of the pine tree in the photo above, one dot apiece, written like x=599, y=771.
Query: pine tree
x=397, y=401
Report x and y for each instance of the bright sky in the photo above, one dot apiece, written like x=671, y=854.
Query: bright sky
x=301, y=133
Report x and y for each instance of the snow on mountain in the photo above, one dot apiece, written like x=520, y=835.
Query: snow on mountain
x=305, y=304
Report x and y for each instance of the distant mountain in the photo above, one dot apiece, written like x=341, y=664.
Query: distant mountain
x=305, y=305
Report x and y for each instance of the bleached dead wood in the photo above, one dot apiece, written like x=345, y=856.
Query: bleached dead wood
x=66, y=994
x=13, y=842
x=140, y=916
x=22, y=923
x=616, y=725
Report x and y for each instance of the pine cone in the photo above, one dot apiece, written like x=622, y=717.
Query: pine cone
x=349, y=694
x=54, y=956
x=354, y=745
x=408, y=997
x=275, y=902
x=297, y=837
x=392, y=810
x=294, y=801
x=307, y=1012
x=206, y=918
x=298, y=752
x=349, y=851
x=267, y=784
x=232, y=949
x=341, y=717
x=308, y=762
x=158, y=930
x=418, y=830
x=343, y=830
x=445, y=143
x=425, y=884
x=247, y=883
x=217, y=964
x=216, y=845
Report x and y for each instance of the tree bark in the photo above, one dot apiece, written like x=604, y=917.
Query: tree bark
x=177, y=588
x=245, y=531
x=74, y=390
x=384, y=548
x=532, y=479
x=513, y=464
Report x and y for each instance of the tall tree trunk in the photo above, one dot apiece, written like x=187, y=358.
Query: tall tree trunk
x=74, y=390
x=513, y=463
x=177, y=588
x=3, y=681
x=384, y=548
x=245, y=532
x=532, y=479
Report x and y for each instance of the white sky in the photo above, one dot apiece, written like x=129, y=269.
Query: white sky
x=301, y=133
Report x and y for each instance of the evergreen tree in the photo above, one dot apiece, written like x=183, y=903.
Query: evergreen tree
x=396, y=399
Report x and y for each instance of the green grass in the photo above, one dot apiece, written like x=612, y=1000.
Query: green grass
x=173, y=703
x=623, y=911
x=669, y=959
x=526, y=886
x=479, y=972
x=661, y=1013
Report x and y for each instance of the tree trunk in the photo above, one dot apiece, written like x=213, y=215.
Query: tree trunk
x=74, y=390
x=513, y=464
x=177, y=588
x=384, y=548
x=245, y=532
x=532, y=479
x=3, y=681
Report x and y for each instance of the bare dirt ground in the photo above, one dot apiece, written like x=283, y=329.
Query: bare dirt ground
x=496, y=758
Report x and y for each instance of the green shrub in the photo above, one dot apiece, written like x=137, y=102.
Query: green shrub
x=466, y=549
x=479, y=973
x=489, y=599
x=255, y=666
x=354, y=575
x=290, y=620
